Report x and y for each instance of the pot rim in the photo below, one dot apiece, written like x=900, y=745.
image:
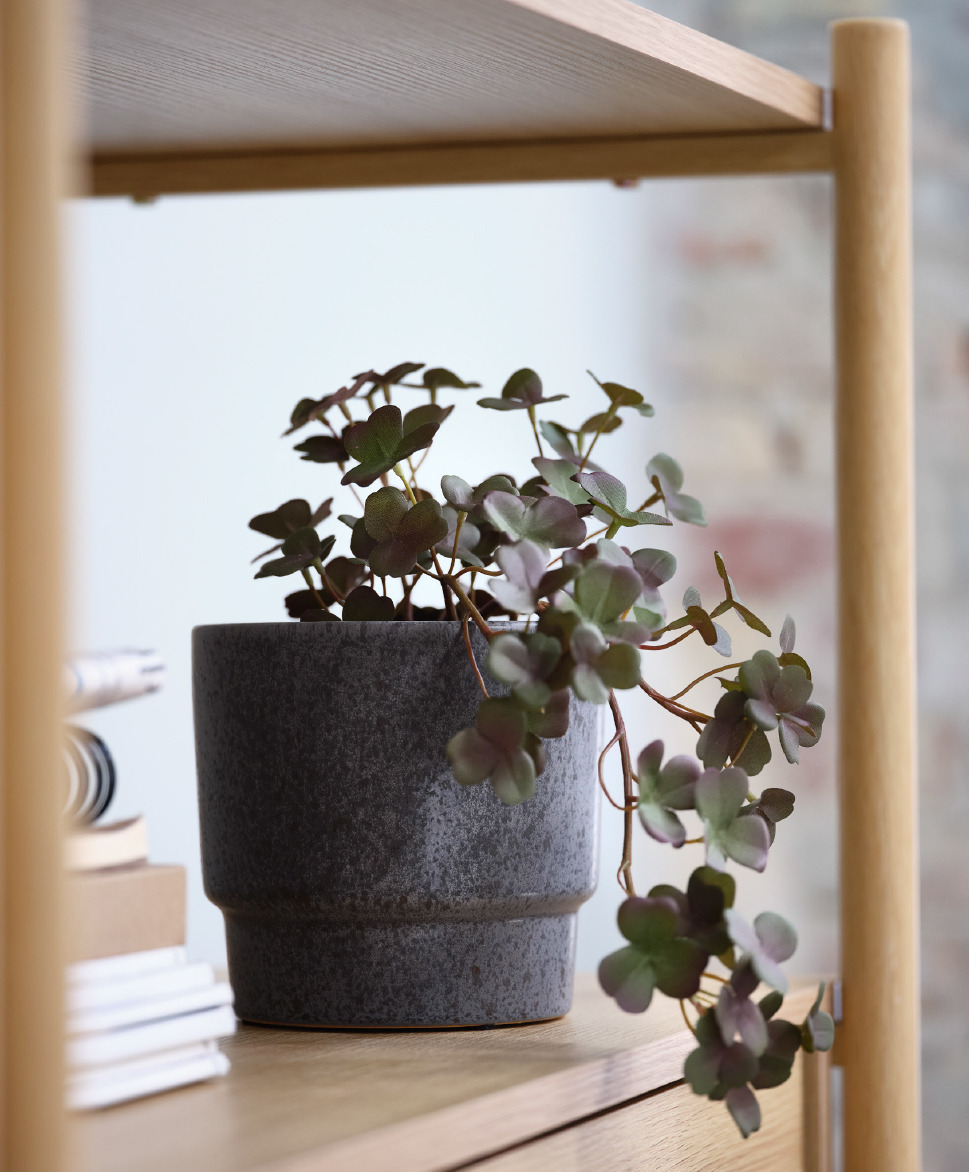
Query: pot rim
x=356, y=624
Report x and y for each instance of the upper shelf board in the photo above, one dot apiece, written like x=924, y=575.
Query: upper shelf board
x=189, y=76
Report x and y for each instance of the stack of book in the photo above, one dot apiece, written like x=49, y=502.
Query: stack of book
x=140, y=1017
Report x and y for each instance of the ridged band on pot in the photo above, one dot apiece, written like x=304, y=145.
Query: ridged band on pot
x=361, y=885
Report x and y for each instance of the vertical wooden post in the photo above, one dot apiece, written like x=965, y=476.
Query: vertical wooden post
x=880, y=1030
x=33, y=172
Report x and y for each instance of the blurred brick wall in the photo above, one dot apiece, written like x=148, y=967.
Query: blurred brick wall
x=744, y=359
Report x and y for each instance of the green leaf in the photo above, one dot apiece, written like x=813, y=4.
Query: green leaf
x=426, y=413
x=408, y=534
x=322, y=449
x=438, y=377
x=818, y=1029
x=623, y=396
x=610, y=495
x=306, y=541
x=558, y=474
x=718, y=798
x=666, y=476
x=383, y=512
x=365, y=605
x=397, y=374
x=603, y=422
x=664, y=790
x=548, y=521
x=290, y=516
x=495, y=750
x=524, y=662
x=523, y=390
x=557, y=437
x=379, y=442
x=465, y=499
x=657, y=957
x=604, y=592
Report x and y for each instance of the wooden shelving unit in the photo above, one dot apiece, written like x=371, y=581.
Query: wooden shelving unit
x=353, y=1101
x=172, y=96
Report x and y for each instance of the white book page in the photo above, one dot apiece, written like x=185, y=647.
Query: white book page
x=142, y=987
x=103, y=1093
x=95, y=1020
x=117, y=1045
x=128, y=964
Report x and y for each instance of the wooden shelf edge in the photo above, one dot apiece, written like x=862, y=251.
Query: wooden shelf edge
x=510, y=1117
x=144, y=177
x=694, y=53
x=283, y=1107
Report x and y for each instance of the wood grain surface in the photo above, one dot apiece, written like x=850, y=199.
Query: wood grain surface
x=218, y=74
x=874, y=430
x=34, y=177
x=147, y=176
x=339, y=1101
x=671, y=1131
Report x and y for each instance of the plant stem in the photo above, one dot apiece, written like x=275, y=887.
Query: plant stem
x=454, y=548
x=338, y=594
x=471, y=655
x=602, y=780
x=588, y=537
x=535, y=431
x=715, y=977
x=472, y=609
x=680, y=710
x=744, y=744
x=625, y=872
x=406, y=483
x=687, y=1019
x=473, y=570
x=309, y=581
x=651, y=500
x=673, y=643
x=694, y=683
x=599, y=431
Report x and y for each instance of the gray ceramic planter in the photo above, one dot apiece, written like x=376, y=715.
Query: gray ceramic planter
x=360, y=884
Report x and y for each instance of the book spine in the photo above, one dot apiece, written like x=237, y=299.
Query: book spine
x=91, y=775
x=96, y=680
x=129, y=910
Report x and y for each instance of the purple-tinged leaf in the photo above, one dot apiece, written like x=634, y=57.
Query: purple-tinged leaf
x=524, y=662
x=524, y=565
x=666, y=476
x=627, y=976
x=365, y=605
x=438, y=377
x=610, y=495
x=552, y=721
x=663, y=790
x=787, y=636
x=818, y=1029
x=548, y=521
x=745, y=1112
x=739, y=1017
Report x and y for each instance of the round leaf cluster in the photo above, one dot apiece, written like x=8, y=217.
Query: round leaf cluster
x=561, y=553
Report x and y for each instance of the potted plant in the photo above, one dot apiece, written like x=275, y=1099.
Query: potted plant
x=398, y=792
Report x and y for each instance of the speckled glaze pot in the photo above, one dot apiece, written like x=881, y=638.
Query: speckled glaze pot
x=360, y=884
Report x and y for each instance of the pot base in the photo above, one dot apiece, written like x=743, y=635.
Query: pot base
x=447, y=974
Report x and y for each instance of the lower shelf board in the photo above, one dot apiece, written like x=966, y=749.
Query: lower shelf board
x=337, y=1101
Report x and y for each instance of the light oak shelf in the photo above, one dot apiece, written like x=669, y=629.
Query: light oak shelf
x=343, y=1101
x=203, y=95
x=170, y=96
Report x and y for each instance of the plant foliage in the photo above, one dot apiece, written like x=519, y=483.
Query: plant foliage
x=562, y=552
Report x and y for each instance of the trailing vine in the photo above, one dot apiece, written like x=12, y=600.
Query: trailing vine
x=592, y=610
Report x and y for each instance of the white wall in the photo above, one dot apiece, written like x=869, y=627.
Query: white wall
x=198, y=323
